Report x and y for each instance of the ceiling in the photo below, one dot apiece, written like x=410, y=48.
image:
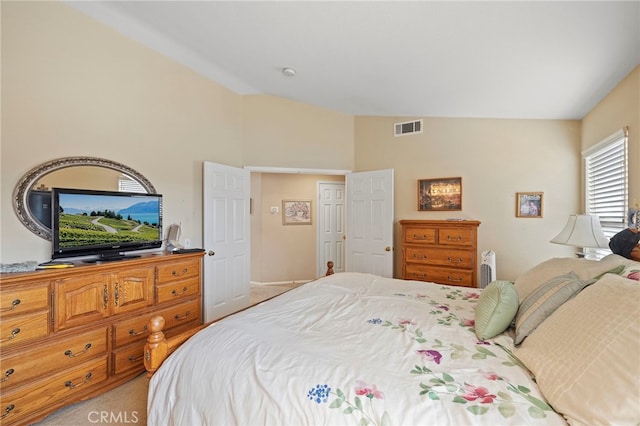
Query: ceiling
x=533, y=59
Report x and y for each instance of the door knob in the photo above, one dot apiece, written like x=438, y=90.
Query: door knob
x=387, y=248
x=211, y=253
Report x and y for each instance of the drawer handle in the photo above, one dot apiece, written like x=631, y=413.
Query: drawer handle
x=175, y=274
x=419, y=237
x=8, y=410
x=116, y=294
x=132, y=332
x=7, y=373
x=452, y=260
x=455, y=280
x=458, y=238
x=105, y=296
x=175, y=293
x=70, y=384
x=415, y=274
x=424, y=257
x=134, y=358
x=186, y=315
x=70, y=353
x=14, y=333
x=14, y=305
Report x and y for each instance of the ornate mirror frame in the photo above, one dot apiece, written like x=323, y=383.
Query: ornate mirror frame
x=28, y=181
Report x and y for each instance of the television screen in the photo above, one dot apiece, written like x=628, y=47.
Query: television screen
x=104, y=223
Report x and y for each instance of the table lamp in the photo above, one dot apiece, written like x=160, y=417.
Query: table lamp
x=582, y=230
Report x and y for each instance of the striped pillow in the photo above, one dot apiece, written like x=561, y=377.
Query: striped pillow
x=541, y=303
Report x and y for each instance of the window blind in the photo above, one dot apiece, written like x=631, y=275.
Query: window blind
x=606, y=182
x=126, y=184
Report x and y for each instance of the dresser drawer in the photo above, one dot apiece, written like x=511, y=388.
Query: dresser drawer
x=419, y=235
x=178, y=289
x=439, y=275
x=23, y=328
x=41, y=360
x=178, y=270
x=129, y=358
x=16, y=302
x=182, y=314
x=131, y=330
x=456, y=236
x=26, y=400
x=439, y=257
x=135, y=329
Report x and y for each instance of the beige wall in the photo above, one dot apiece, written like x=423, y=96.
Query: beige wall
x=284, y=253
x=71, y=86
x=496, y=159
x=621, y=107
x=282, y=133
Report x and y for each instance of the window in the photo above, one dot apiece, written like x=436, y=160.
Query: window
x=606, y=182
x=127, y=184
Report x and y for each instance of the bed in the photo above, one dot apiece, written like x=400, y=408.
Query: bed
x=355, y=348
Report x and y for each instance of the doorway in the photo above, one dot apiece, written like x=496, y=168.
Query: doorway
x=281, y=252
x=288, y=253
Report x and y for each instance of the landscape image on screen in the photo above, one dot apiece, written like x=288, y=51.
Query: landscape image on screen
x=86, y=220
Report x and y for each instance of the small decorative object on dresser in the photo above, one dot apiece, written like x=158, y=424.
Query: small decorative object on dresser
x=73, y=333
x=440, y=251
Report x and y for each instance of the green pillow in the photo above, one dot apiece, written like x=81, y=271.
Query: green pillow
x=496, y=308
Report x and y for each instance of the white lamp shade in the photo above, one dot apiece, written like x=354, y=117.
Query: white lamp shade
x=582, y=230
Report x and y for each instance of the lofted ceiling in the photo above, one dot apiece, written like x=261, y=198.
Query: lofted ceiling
x=504, y=59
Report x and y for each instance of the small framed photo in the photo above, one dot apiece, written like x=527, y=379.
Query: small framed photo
x=444, y=194
x=296, y=212
x=529, y=204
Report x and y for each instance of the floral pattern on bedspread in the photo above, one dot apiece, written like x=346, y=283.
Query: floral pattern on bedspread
x=477, y=399
x=350, y=349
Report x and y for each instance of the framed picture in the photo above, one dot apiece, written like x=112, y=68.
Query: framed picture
x=296, y=212
x=440, y=194
x=529, y=204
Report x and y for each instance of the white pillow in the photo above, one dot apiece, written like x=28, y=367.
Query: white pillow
x=585, y=357
x=585, y=269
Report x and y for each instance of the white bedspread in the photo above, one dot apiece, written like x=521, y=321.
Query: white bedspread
x=348, y=349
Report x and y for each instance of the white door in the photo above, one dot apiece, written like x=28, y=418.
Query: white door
x=370, y=222
x=331, y=218
x=227, y=270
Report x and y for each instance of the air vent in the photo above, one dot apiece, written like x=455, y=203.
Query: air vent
x=407, y=128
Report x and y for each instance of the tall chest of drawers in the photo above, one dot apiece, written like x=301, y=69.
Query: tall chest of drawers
x=71, y=334
x=440, y=251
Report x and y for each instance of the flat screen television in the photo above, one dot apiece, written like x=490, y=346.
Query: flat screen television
x=103, y=224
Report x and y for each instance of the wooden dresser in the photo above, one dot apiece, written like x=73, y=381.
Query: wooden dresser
x=440, y=251
x=70, y=334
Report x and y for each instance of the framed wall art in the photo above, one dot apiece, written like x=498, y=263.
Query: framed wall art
x=296, y=212
x=529, y=204
x=440, y=194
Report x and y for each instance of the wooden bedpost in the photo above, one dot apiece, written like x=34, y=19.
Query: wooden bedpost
x=329, y=268
x=155, y=350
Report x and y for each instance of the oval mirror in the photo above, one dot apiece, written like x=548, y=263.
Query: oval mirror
x=32, y=195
